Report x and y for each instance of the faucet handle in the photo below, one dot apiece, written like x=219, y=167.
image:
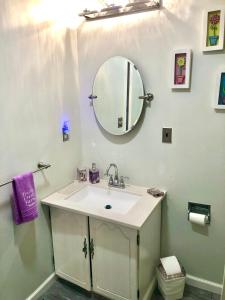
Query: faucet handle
x=122, y=181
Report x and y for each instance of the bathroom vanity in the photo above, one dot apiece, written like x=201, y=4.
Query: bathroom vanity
x=106, y=240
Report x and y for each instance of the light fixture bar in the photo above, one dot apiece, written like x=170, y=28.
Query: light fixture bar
x=116, y=10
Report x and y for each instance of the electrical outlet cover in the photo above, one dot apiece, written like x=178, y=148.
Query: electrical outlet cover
x=167, y=135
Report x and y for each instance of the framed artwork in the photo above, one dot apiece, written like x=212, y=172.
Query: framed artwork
x=213, y=26
x=181, y=69
x=220, y=95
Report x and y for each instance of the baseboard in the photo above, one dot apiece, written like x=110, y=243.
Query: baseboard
x=150, y=290
x=204, y=284
x=43, y=287
x=223, y=291
x=190, y=280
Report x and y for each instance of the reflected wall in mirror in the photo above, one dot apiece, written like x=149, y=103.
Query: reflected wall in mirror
x=116, y=91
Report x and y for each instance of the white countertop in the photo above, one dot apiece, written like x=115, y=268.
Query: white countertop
x=134, y=218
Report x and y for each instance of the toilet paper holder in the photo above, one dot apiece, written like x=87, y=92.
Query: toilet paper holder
x=203, y=209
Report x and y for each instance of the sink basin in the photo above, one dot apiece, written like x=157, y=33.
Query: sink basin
x=95, y=198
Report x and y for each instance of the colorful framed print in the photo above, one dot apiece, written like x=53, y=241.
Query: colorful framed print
x=213, y=26
x=220, y=99
x=181, y=69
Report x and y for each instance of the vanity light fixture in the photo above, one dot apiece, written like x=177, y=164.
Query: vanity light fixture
x=113, y=10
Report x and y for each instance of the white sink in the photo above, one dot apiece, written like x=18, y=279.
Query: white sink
x=96, y=198
x=129, y=207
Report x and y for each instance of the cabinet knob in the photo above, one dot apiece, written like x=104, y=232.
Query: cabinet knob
x=85, y=248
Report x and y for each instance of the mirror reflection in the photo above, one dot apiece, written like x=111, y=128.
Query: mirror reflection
x=116, y=91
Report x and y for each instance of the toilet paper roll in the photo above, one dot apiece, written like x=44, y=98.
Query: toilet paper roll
x=171, y=265
x=198, y=219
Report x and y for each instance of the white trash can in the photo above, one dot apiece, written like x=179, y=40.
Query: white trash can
x=170, y=286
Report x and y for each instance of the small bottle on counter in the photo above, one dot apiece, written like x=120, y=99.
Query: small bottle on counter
x=81, y=174
x=94, y=176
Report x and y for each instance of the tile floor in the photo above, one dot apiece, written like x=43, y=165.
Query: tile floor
x=62, y=290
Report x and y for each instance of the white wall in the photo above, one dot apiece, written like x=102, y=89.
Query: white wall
x=192, y=168
x=38, y=88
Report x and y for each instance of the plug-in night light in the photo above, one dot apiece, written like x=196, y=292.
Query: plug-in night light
x=65, y=131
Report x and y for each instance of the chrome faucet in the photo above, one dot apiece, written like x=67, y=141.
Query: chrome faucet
x=115, y=181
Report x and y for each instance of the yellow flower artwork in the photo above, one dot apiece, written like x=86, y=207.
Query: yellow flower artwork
x=181, y=61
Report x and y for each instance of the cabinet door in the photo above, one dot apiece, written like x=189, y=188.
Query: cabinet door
x=71, y=249
x=114, y=260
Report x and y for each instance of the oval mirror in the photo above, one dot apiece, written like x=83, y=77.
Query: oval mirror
x=116, y=91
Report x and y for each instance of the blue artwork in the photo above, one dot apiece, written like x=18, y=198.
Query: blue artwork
x=222, y=90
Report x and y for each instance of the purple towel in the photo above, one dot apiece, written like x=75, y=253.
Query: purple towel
x=24, y=202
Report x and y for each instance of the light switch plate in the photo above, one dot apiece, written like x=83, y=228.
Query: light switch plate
x=167, y=135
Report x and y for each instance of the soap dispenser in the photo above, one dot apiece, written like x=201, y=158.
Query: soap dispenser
x=94, y=174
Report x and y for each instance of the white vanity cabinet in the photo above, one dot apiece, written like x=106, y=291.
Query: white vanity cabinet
x=70, y=238
x=119, y=262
